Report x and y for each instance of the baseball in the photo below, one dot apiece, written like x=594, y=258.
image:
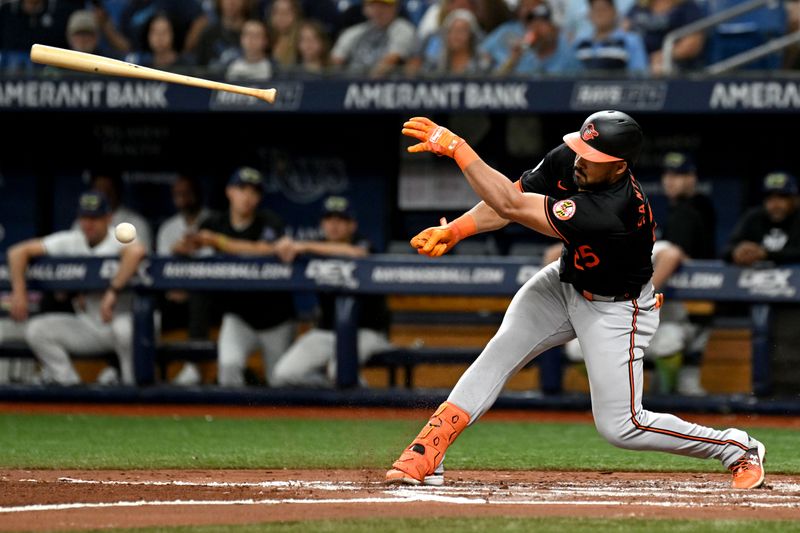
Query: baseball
x=125, y=232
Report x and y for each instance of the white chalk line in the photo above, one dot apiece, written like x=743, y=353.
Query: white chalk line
x=782, y=495
x=399, y=500
x=628, y=488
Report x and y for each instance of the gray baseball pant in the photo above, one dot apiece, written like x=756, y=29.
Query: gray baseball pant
x=237, y=340
x=546, y=313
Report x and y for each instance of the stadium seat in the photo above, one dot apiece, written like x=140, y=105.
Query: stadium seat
x=746, y=32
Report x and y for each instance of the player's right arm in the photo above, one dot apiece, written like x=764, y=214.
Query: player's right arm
x=19, y=256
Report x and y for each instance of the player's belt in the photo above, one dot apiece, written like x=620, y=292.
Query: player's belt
x=600, y=298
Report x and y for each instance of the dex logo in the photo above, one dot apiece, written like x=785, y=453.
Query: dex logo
x=332, y=272
x=768, y=282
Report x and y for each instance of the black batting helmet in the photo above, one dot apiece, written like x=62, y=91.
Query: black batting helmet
x=607, y=136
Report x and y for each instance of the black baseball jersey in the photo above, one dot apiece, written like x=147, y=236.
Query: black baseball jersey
x=608, y=232
x=259, y=310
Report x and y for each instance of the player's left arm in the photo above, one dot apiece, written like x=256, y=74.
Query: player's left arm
x=130, y=258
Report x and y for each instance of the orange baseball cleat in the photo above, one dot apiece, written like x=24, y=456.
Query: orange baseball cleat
x=421, y=460
x=748, y=470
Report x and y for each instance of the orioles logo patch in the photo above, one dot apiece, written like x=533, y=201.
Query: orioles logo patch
x=589, y=133
x=564, y=209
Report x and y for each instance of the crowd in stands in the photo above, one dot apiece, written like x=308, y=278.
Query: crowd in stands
x=255, y=40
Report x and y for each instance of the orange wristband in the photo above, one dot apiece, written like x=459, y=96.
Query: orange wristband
x=464, y=226
x=464, y=155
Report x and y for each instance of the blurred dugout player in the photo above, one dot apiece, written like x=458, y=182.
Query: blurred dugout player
x=311, y=360
x=110, y=185
x=250, y=320
x=102, y=320
x=174, y=238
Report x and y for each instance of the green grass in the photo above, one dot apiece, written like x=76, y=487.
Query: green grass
x=496, y=524
x=95, y=442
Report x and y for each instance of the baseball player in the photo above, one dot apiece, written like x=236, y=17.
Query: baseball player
x=600, y=291
x=102, y=320
x=250, y=320
x=311, y=360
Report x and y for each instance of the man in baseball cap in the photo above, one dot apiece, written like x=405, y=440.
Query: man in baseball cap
x=244, y=176
x=780, y=183
x=93, y=204
x=337, y=206
x=83, y=32
x=771, y=231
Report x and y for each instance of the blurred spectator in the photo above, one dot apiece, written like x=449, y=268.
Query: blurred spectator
x=378, y=45
x=326, y=12
x=542, y=49
x=431, y=50
x=497, y=45
x=491, y=14
x=110, y=184
x=26, y=22
x=314, y=48
x=160, y=51
x=574, y=18
x=113, y=37
x=250, y=320
x=254, y=65
x=83, y=32
x=609, y=48
x=285, y=17
x=102, y=320
x=770, y=232
x=654, y=19
x=459, y=55
x=188, y=19
x=220, y=41
x=175, y=238
x=311, y=360
x=434, y=16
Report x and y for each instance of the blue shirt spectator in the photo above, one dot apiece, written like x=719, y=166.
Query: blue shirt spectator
x=543, y=48
x=609, y=48
x=654, y=19
x=458, y=54
x=573, y=16
x=498, y=44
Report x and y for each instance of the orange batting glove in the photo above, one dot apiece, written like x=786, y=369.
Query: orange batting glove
x=439, y=140
x=439, y=240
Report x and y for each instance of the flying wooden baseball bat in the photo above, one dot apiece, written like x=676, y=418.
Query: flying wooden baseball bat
x=74, y=60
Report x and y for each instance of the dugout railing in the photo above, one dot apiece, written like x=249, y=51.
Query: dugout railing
x=759, y=287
